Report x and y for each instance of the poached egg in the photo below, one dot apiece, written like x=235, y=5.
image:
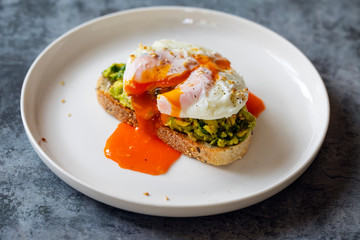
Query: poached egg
x=189, y=81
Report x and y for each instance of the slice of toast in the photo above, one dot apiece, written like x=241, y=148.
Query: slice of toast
x=177, y=140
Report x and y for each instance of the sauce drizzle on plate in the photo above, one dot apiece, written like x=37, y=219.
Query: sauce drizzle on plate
x=255, y=105
x=139, y=151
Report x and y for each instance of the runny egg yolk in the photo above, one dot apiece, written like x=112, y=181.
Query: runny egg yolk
x=173, y=98
x=133, y=149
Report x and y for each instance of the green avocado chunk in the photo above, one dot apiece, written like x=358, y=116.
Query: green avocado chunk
x=115, y=74
x=220, y=132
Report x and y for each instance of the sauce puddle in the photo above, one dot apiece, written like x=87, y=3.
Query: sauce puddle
x=255, y=105
x=139, y=151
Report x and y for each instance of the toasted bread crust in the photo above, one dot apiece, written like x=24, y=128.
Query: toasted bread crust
x=177, y=140
x=203, y=151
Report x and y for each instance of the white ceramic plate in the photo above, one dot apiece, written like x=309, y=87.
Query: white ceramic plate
x=286, y=140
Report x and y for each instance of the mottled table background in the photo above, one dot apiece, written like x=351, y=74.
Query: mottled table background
x=324, y=203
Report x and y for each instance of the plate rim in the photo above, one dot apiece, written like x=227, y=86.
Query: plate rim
x=92, y=192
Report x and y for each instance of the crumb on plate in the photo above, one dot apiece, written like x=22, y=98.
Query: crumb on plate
x=42, y=140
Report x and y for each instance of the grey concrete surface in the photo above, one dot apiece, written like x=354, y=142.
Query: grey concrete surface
x=324, y=203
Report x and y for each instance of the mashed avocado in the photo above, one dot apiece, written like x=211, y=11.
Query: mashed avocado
x=220, y=132
x=115, y=74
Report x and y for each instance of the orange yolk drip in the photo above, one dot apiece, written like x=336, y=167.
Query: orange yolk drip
x=255, y=105
x=174, y=98
x=143, y=97
x=155, y=78
x=147, y=113
x=133, y=149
